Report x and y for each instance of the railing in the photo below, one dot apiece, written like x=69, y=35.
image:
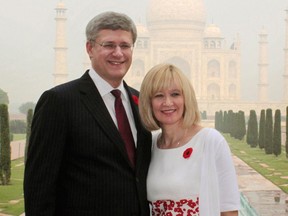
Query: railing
x=246, y=208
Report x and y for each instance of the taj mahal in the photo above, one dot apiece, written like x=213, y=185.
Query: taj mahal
x=176, y=32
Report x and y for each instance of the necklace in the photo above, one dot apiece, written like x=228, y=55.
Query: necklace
x=162, y=140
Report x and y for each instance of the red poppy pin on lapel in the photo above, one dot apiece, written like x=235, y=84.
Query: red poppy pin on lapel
x=135, y=99
x=187, y=153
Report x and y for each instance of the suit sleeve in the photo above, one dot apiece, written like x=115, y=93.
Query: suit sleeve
x=45, y=150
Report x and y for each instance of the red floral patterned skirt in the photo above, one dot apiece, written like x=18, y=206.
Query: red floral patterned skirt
x=183, y=207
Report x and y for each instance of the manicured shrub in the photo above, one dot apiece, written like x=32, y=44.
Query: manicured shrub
x=28, y=130
x=5, y=149
x=252, y=130
x=277, y=133
x=269, y=132
x=261, y=140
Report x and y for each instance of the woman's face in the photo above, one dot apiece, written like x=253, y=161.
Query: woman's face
x=168, y=105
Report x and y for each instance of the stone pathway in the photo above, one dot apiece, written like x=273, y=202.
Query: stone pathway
x=17, y=149
x=260, y=192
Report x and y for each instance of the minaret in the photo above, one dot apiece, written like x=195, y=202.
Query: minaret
x=60, y=73
x=263, y=67
x=285, y=75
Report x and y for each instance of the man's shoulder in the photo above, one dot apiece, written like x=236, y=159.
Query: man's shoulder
x=73, y=84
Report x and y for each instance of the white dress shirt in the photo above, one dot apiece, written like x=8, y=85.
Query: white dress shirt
x=105, y=89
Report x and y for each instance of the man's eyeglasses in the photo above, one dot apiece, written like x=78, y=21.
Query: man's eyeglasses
x=110, y=46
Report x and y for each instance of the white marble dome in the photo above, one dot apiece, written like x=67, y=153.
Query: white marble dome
x=176, y=11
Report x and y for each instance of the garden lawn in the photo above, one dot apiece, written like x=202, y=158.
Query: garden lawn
x=11, y=196
x=271, y=167
x=17, y=137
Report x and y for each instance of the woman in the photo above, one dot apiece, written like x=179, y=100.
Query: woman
x=191, y=170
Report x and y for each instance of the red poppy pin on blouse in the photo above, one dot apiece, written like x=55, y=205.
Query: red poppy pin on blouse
x=135, y=99
x=187, y=153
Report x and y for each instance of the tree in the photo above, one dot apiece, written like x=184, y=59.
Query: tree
x=220, y=121
x=252, y=131
x=225, y=122
x=26, y=106
x=269, y=132
x=5, y=151
x=3, y=97
x=277, y=133
x=17, y=126
x=216, y=121
x=218, y=124
x=28, y=130
x=233, y=124
x=286, y=143
x=261, y=140
x=203, y=114
x=240, y=125
x=230, y=120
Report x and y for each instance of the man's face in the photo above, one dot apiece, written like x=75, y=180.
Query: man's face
x=111, y=54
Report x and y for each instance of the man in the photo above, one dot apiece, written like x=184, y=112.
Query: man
x=77, y=162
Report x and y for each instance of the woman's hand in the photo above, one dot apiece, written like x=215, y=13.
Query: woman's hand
x=230, y=213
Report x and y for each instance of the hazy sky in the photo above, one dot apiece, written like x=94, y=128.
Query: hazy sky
x=28, y=36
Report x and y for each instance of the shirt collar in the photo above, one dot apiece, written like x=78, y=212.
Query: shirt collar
x=103, y=86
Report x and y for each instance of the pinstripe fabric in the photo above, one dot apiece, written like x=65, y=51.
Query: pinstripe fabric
x=77, y=164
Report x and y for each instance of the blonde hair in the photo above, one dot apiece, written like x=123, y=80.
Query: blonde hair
x=159, y=78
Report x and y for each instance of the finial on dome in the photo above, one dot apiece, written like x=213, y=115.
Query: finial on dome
x=212, y=31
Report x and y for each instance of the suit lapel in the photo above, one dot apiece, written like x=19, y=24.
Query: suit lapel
x=141, y=131
x=96, y=106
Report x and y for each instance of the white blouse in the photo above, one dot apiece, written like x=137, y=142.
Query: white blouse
x=201, y=169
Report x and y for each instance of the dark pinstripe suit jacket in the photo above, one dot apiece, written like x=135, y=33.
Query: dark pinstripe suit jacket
x=76, y=163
